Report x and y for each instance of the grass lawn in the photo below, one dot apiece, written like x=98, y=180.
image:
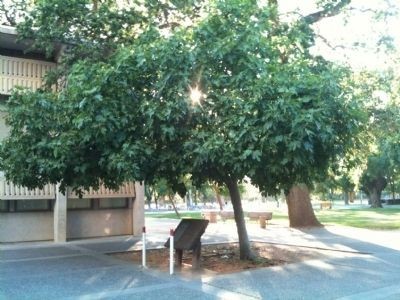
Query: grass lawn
x=386, y=218
x=172, y=215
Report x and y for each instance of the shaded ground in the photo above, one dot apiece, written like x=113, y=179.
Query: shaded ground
x=224, y=258
x=80, y=270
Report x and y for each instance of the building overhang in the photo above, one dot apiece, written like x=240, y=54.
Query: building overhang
x=11, y=46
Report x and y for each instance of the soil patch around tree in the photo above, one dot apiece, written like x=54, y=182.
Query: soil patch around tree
x=224, y=258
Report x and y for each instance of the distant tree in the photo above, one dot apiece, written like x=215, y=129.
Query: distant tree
x=163, y=190
x=347, y=186
x=383, y=153
x=326, y=187
x=149, y=193
x=374, y=179
x=382, y=168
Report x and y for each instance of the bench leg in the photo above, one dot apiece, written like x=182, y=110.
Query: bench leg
x=196, y=257
x=179, y=257
x=263, y=222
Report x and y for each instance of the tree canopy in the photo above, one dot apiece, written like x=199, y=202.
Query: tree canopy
x=265, y=106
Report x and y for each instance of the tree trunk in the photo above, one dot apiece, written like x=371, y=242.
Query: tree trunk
x=95, y=5
x=195, y=197
x=190, y=199
x=244, y=243
x=393, y=190
x=149, y=195
x=375, y=188
x=301, y=213
x=162, y=201
x=375, y=197
x=346, y=197
x=277, y=201
x=218, y=196
x=171, y=199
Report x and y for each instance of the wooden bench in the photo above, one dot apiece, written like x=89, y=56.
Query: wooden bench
x=255, y=215
x=325, y=205
x=210, y=215
x=226, y=214
x=261, y=216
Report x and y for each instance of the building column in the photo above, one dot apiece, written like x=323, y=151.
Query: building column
x=60, y=216
x=138, y=209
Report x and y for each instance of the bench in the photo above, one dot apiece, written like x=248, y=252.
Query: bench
x=210, y=215
x=325, y=205
x=226, y=214
x=255, y=215
x=262, y=216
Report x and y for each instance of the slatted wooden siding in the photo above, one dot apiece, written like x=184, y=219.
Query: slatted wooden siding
x=127, y=190
x=10, y=191
x=22, y=72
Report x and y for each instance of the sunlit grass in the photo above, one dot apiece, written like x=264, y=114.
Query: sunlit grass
x=386, y=218
x=172, y=215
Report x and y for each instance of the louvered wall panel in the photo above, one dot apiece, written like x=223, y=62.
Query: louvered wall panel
x=22, y=72
x=126, y=190
x=10, y=191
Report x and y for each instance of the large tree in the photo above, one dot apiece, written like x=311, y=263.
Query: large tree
x=264, y=106
x=347, y=186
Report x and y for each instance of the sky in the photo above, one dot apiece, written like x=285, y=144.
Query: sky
x=357, y=27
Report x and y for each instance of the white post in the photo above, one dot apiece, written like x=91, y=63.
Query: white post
x=144, y=247
x=171, y=252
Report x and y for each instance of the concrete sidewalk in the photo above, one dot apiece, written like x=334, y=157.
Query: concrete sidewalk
x=80, y=270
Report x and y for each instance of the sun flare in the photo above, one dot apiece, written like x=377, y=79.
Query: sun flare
x=195, y=95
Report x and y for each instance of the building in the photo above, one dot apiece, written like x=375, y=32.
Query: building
x=47, y=214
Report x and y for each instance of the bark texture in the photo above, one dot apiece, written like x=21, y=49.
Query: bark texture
x=392, y=188
x=374, y=191
x=244, y=243
x=330, y=11
x=346, y=197
x=218, y=196
x=375, y=198
x=301, y=213
x=171, y=199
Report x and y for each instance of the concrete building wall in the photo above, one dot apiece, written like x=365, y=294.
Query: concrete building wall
x=97, y=223
x=26, y=226
x=38, y=226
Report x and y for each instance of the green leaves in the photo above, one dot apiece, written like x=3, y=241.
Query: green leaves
x=269, y=110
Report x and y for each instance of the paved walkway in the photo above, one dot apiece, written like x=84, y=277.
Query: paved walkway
x=80, y=270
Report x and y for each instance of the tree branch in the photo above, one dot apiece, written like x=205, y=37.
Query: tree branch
x=326, y=42
x=327, y=12
x=9, y=14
